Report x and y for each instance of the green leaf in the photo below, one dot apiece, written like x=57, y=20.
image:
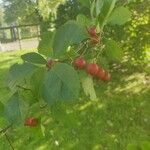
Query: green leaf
x=145, y=145
x=131, y=147
x=28, y=96
x=92, y=9
x=67, y=35
x=88, y=85
x=85, y=3
x=83, y=20
x=45, y=46
x=130, y=1
x=34, y=58
x=120, y=16
x=4, y=144
x=61, y=83
x=113, y=51
x=104, y=62
x=36, y=81
x=106, y=10
x=99, y=5
x=18, y=72
x=15, y=110
x=1, y=108
x=43, y=130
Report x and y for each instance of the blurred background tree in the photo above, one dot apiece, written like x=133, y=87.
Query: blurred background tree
x=30, y=11
x=69, y=10
x=135, y=36
x=1, y=16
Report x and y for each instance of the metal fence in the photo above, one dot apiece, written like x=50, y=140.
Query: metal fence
x=19, y=37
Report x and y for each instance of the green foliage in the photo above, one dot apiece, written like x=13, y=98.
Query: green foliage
x=134, y=36
x=120, y=16
x=61, y=83
x=132, y=147
x=34, y=58
x=47, y=7
x=99, y=5
x=83, y=20
x=145, y=145
x=138, y=33
x=112, y=50
x=69, y=11
x=15, y=110
x=106, y=10
x=31, y=11
x=67, y=35
x=18, y=73
x=1, y=108
x=1, y=16
x=85, y=3
x=20, y=11
x=45, y=44
x=36, y=82
x=88, y=86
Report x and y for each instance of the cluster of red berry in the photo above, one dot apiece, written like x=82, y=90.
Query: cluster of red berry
x=32, y=122
x=92, y=69
x=94, y=38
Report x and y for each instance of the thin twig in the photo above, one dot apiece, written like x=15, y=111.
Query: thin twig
x=100, y=52
x=5, y=129
x=44, y=106
x=81, y=46
x=27, y=89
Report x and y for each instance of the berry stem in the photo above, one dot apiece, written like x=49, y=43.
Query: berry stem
x=27, y=89
x=81, y=46
x=100, y=52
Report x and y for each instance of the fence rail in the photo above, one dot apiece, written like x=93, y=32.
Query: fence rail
x=17, y=37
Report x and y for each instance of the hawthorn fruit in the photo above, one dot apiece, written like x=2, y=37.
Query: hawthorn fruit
x=107, y=77
x=50, y=63
x=32, y=122
x=92, y=69
x=92, y=31
x=101, y=73
x=80, y=63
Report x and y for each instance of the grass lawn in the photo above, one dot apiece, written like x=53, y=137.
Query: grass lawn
x=119, y=117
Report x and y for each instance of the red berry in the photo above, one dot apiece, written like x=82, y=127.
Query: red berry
x=92, y=31
x=101, y=73
x=32, y=122
x=92, y=69
x=107, y=77
x=80, y=63
x=50, y=63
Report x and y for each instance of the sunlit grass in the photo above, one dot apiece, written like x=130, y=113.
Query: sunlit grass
x=134, y=84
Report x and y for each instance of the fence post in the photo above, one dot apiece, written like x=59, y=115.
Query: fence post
x=11, y=33
x=38, y=33
x=19, y=38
